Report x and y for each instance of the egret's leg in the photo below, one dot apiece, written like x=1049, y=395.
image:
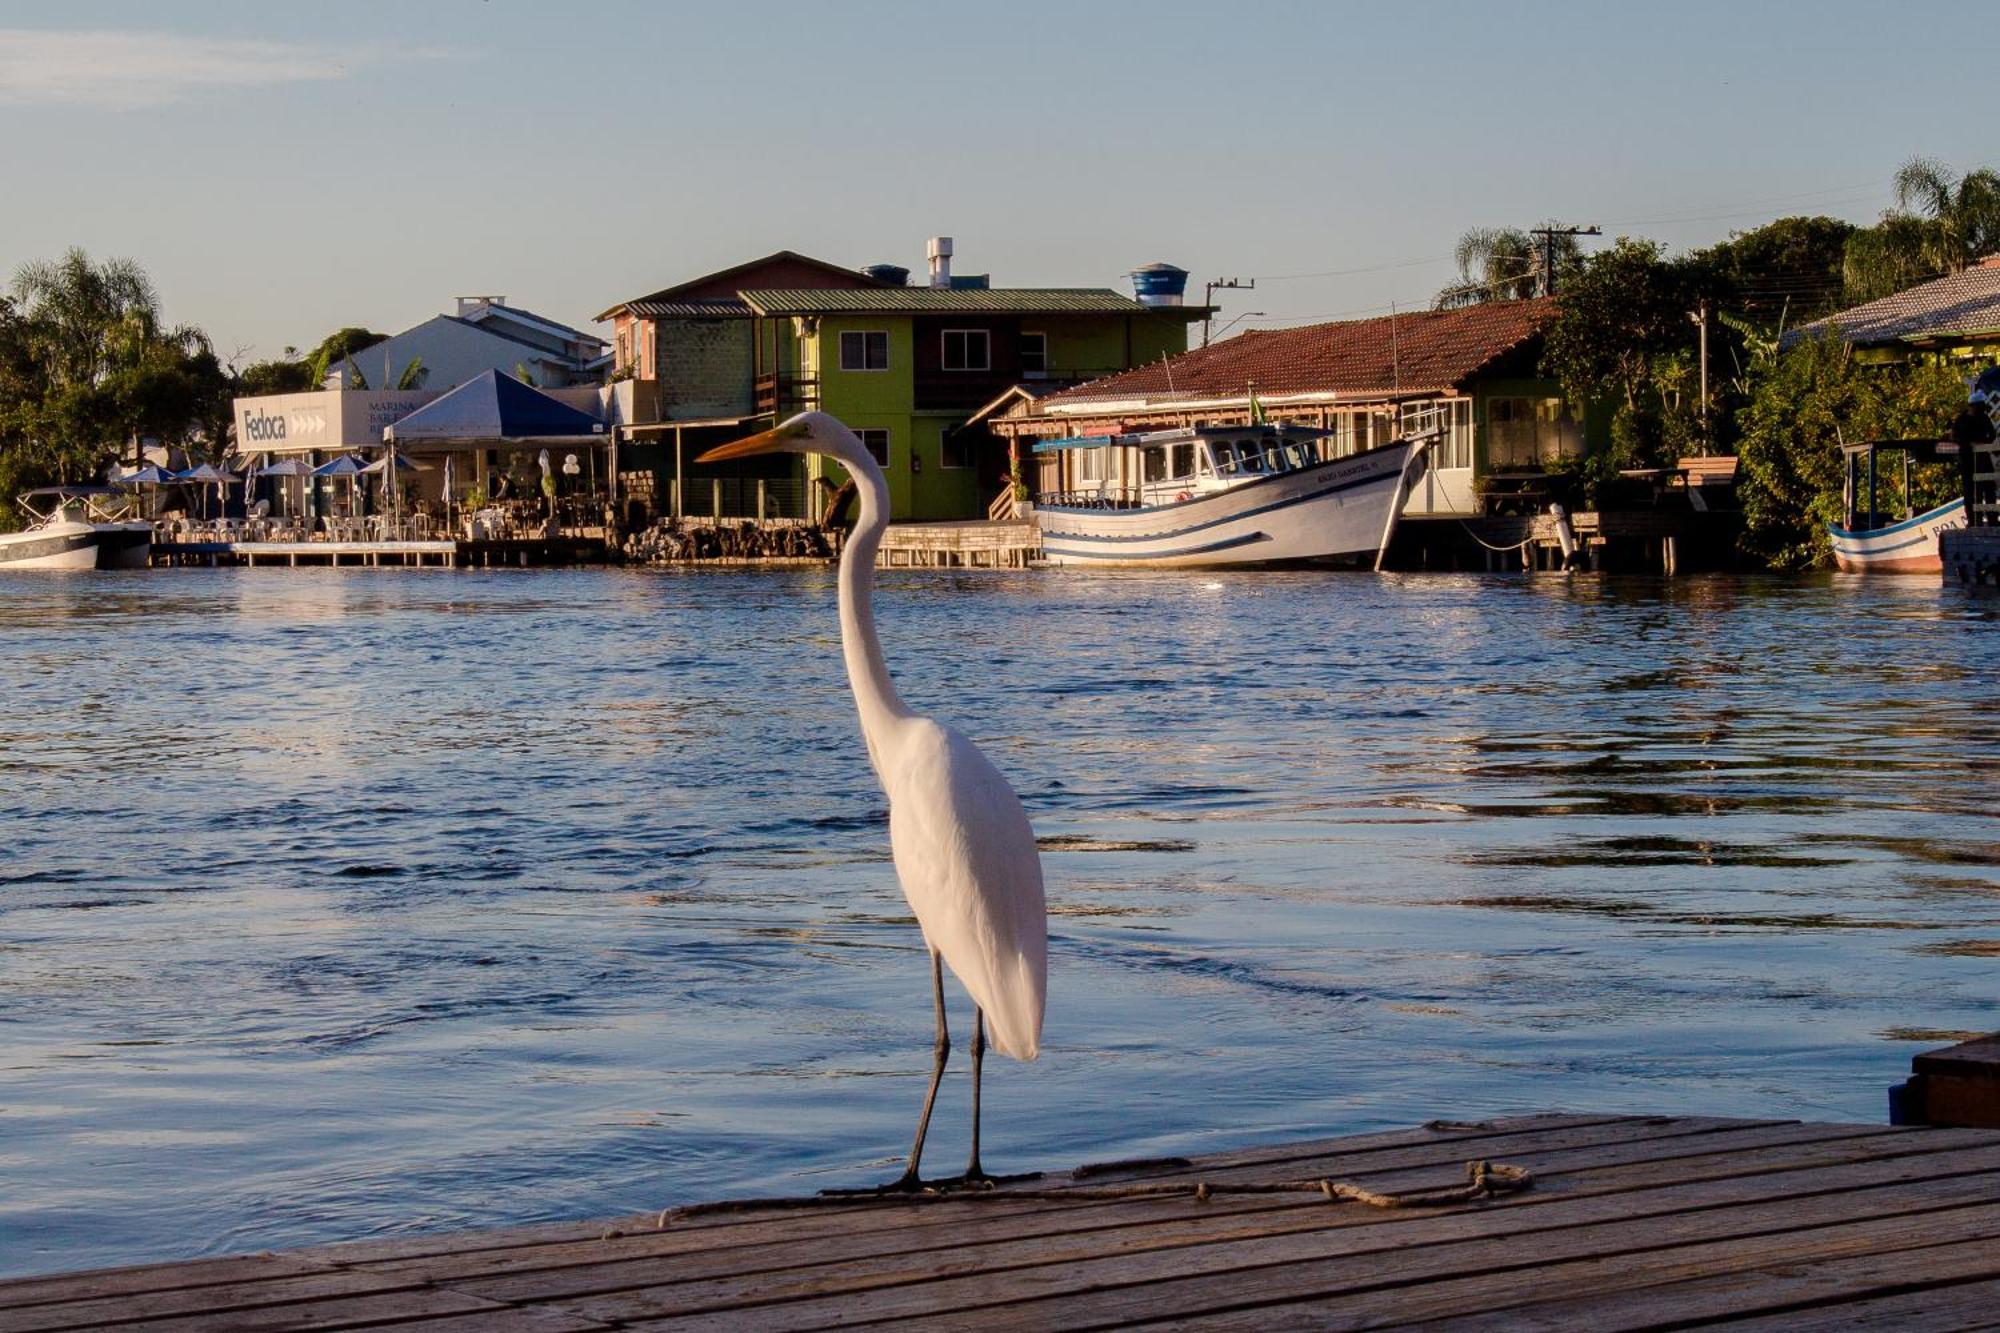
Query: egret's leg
x=940, y=1053
x=973, y=1174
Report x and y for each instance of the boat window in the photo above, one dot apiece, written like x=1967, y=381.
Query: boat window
x=1183, y=460
x=1156, y=464
x=1249, y=458
x=1205, y=463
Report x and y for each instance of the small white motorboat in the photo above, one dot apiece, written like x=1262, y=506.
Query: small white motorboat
x=1220, y=495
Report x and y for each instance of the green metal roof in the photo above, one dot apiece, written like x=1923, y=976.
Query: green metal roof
x=945, y=301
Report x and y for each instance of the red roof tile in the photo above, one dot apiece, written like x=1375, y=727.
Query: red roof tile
x=1426, y=351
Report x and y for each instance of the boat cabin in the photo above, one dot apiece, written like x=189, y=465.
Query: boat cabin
x=1140, y=471
x=1879, y=494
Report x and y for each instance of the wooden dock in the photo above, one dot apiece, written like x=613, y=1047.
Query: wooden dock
x=446, y=554
x=1631, y=1222
x=972, y=544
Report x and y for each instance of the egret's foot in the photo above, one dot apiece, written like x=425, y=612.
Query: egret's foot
x=976, y=1179
x=901, y=1187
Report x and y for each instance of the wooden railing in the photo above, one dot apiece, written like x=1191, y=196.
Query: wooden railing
x=783, y=395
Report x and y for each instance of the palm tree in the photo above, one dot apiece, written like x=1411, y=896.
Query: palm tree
x=1507, y=264
x=1942, y=223
x=90, y=320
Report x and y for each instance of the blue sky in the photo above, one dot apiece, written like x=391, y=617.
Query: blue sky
x=282, y=170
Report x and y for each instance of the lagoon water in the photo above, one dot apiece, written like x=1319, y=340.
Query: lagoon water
x=336, y=904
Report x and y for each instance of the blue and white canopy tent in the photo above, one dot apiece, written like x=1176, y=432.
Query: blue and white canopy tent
x=495, y=412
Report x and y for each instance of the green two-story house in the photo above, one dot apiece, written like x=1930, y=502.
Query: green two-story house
x=906, y=367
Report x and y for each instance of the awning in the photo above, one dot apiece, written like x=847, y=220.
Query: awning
x=494, y=409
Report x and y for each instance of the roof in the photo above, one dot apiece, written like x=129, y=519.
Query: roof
x=667, y=294
x=1958, y=304
x=493, y=309
x=1426, y=351
x=949, y=300
x=493, y=407
x=701, y=309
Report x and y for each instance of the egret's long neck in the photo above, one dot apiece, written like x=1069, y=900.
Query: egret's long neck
x=874, y=693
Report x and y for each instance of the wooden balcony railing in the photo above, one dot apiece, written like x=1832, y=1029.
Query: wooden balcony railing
x=783, y=395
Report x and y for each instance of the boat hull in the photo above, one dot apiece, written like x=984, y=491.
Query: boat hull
x=124, y=545
x=52, y=546
x=1332, y=512
x=1910, y=547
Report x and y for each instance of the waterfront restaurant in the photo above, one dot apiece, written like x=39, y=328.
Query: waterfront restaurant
x=492, y=429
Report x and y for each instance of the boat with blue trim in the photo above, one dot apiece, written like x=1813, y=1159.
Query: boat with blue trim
x=1260, y=494
x=1901, y=541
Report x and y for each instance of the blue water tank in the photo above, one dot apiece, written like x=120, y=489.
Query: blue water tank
x=1159, y=284
x=893, y=274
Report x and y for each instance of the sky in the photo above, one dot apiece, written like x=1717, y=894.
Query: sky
x=284, y=170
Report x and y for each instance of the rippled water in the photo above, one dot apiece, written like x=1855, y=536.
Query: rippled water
x=335, y=904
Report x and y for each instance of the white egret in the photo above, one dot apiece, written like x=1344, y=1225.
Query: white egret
x=964, y=851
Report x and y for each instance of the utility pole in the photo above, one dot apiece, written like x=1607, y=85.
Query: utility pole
x=1548, y=235
x=1208, y=292
x=1700, y=317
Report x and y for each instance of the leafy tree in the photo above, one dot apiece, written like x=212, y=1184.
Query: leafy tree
x=289, y=373
x=1942, y=223
x=1785, y=272
x=96, y=368
x=1508, y=264
x=1815, y=398
x=339, y=346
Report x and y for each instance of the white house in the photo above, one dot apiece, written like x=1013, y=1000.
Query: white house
x=486, y=334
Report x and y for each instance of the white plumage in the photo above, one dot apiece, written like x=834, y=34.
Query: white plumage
x=965, y=853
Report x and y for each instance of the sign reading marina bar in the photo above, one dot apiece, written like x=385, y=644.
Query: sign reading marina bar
x=332, y=419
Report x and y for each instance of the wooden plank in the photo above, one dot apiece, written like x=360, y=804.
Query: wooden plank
x=97, y=1311
x=1453, y=1301
x=495, y=1320
x=408, y=1307
x=1458, y=1281
x=1355, y=1154
x=1427, y=1245
x=1941, y=1286
x=24, y=1291
x=796, y=1240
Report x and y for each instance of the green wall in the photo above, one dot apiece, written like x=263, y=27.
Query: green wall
x=885, y=399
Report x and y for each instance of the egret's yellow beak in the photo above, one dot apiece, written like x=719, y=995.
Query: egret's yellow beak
x=769, y=442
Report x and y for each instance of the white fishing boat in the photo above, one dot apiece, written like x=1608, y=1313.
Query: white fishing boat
x=72, y=529
x=1220, y=495
x=1868, y=541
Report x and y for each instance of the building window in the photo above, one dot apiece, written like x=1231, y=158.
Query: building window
x=1034, y=355
x=876, y=442
x=864, y=351
x=967, y=349
x=956, y=446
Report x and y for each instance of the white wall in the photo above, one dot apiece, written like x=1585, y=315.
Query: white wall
x=453, y=353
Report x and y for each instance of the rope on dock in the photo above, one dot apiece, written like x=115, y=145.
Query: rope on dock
x=1528, y=540
x=1484, y=1180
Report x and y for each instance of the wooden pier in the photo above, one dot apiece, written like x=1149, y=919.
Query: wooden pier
x=1630, y=1222
x=388, y=554
x=973, y=544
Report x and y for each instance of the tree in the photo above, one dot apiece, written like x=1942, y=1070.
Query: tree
x=1508, y=264
x=102, y=369
x=1942, y=223
x=1785, y=272
x=339, y=346
x=1815, y=398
